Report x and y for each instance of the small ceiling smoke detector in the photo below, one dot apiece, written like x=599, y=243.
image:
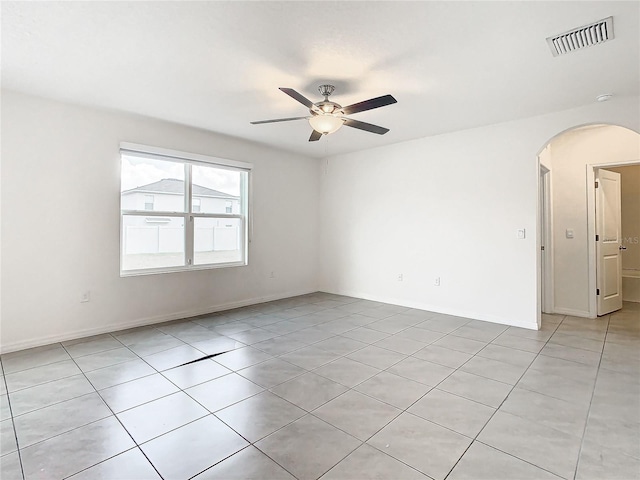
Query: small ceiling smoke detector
x=604, y=97
x=582, y=37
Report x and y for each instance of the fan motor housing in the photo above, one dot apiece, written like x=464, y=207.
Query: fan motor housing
x=327, y=107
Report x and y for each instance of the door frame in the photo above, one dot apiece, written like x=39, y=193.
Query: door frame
x=545, y=224
x=591, y=228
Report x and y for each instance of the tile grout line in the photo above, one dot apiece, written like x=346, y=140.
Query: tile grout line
x=60, y=361
x=420, y=398
x=342, y=356
x=39, y=384
x=96, y=391
x=498, y=408
x=180, y=389
x=13, y=422
x=593, y=391
x=386, y=370
x=72, y=358
x=119, y=421
x=539, y=354
x=307, y=412
x=405, y=410
x=107, y=405
x=235, y=453
x=160, y=371
x=310, y=412
x=258, y=393
x=232, y=371
x=374, y=320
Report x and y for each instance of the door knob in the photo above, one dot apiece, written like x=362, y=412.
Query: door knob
x=621, y=247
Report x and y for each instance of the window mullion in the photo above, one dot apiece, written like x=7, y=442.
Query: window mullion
x=247, y=221
x=188, y=230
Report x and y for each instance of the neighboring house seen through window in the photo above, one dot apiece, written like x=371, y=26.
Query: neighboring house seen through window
x=181, y=211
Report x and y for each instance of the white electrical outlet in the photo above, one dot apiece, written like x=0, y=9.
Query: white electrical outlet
x=400, y=277
x=436, y=282
x=86, y=297
x=520, y=233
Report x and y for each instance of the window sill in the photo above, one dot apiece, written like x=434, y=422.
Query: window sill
x=156, y=271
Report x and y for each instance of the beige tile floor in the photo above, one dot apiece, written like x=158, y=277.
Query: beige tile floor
x=323, y=386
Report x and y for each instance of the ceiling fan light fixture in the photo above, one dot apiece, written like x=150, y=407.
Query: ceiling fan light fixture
x=326, y=123
x=327, y=117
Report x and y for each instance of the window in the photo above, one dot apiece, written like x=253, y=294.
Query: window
x=181, y=211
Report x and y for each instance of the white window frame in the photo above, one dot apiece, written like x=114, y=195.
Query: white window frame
x=190, y=159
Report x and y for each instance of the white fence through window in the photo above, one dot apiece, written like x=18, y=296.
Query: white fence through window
x=166, y=239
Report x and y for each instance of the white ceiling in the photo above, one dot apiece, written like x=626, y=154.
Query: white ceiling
x=218, y=65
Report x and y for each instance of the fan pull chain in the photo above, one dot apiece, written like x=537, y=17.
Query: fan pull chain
x=326, y=155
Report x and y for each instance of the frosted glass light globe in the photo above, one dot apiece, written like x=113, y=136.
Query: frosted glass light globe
x=325, y=123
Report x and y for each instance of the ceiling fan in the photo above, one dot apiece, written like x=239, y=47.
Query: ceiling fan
x=327, y=117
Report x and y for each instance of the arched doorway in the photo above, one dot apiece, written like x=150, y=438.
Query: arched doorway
x=567, y=165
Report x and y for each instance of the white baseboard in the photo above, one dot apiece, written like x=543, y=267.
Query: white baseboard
x=87, y=332
x=438, y=309
x=572, y=312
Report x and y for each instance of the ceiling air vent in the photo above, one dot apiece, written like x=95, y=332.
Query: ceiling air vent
x=587, y=36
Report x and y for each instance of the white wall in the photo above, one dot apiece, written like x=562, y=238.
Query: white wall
x=61, y=172
x=571, y=152
x=456, y=200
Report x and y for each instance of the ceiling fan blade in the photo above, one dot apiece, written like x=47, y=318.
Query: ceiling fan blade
x=370, y=104
x=299, y=97
x=315, y=136
x=278, y=120
x=365, y=126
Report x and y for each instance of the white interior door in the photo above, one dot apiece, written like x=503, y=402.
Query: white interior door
x=609, y=241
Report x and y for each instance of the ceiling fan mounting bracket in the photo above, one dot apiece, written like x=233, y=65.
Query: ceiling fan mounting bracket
x=326, y=90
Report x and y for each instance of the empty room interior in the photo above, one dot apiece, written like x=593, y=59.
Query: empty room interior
x=320, y=240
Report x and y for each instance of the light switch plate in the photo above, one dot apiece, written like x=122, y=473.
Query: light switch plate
x=520, y=233
x=569, y=233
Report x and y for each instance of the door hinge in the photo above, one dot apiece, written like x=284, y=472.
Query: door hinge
x=597, y=291
x=596, y=184
x=597, y=237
